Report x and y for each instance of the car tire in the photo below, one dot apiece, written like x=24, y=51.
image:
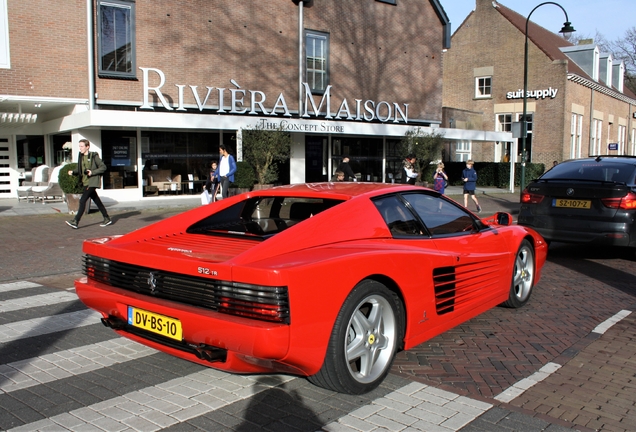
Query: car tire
x=366, y=335
x=522, y=276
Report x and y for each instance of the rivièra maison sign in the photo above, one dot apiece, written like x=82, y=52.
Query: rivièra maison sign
x=241, y=101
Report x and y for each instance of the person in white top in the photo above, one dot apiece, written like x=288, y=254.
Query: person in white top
x=227, y=168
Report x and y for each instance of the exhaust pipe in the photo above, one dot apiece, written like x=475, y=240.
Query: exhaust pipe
x=209, y=353
x=114, y=323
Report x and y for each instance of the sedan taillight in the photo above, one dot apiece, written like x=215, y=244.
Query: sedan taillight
x=628, y=202
x=529, y=198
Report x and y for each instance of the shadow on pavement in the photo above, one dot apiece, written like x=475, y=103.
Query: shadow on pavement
x=278, y=409
x=581, y=259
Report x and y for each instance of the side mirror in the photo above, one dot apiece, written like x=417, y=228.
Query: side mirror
x=503, y=218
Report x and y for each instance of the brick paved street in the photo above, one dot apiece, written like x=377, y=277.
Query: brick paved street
x=564, y=361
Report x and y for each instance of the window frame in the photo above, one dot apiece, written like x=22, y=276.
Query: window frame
x=597, y=133
x=576, y=128
x=5, y=47
x=463, y=150
x=107, y=73
x=317, y=35
x=621, y=138
x=478, y=87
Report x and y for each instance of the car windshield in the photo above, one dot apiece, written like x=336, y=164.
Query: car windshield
x=261, y=217
x=603, y=171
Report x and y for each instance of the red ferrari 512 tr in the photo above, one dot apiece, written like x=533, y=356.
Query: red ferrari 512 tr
x=325, y=280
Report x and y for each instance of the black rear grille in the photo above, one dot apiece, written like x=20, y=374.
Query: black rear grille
x=252, y=301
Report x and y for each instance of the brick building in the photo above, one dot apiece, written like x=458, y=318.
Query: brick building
x=157, y=85
x=576, y=105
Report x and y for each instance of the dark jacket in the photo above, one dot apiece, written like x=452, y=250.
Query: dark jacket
x=471, y=175
x=212, y=180
x=95, y=165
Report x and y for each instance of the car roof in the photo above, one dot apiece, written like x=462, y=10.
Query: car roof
x=631, y=160
x=334, y=190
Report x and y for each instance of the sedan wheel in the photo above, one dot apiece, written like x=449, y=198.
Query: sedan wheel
x=365, y=338
x=522, y=276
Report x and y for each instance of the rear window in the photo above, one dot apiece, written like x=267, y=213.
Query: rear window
x=604, y=171
x=261, y=217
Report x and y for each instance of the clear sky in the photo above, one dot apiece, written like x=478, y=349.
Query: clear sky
x=611, y=18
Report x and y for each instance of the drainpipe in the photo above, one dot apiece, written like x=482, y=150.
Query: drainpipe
x=592, y=131
x=300, y=57
x=91, y=68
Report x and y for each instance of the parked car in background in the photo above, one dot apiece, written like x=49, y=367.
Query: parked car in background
x=590, y=200
x=324, y=280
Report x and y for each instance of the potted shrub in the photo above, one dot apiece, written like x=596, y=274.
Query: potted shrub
x=262, y=148
x=244, y=179
x=71, y=187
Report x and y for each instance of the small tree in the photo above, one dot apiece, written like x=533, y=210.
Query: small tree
x=70, y=184
x=426, y=146
x=262, y=148
x=244, y=177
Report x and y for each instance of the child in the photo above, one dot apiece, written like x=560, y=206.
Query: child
x=338, y=176
x=212, y=183
x=440, y=178
x=469, y=176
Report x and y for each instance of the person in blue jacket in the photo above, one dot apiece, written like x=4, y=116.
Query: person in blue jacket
x=226, y=170
x=469, y=176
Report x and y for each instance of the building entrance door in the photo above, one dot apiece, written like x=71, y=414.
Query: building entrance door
x=8, y=182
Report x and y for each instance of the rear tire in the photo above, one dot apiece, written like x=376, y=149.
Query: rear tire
x=366, y=335
x=522, y=276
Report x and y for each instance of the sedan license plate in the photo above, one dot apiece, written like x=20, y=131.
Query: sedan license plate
x=155, y=323
x=568, y=203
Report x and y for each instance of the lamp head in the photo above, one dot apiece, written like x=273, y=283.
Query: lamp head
x=567, y=30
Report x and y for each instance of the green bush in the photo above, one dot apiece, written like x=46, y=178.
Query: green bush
x=68, y=183
x=244, y=177
x=493, y=174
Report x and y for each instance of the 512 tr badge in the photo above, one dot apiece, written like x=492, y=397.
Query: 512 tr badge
x=206, y=271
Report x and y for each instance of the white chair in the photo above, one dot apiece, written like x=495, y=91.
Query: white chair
x=51, y=190
x=39, y=177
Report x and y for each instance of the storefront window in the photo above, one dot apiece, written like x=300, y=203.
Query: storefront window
x=119, y=153
x=393, y=161
x=365, y=156
x=61, y=154
x=316, y=159
x=170, y=159
x=30, y=151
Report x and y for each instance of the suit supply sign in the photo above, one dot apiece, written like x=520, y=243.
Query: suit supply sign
x=536, y=94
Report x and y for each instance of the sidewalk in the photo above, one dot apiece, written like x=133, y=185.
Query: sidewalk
x=13, y=207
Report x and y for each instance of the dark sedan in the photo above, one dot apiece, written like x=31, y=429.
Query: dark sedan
x=590, y=200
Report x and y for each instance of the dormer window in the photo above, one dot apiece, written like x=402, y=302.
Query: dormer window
x=605, y=68
x=586, y=56
x=618, y=75
x=595, y=64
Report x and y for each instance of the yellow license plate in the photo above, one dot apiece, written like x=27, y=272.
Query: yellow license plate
x=582, y=204
x=159, y=324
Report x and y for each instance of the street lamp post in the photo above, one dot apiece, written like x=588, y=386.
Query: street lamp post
x=566, y=30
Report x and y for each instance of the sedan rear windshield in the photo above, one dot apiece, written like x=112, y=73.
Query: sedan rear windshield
x=261, y=217
x=603, y=171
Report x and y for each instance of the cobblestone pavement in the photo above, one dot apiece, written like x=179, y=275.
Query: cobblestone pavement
x=564, y=361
